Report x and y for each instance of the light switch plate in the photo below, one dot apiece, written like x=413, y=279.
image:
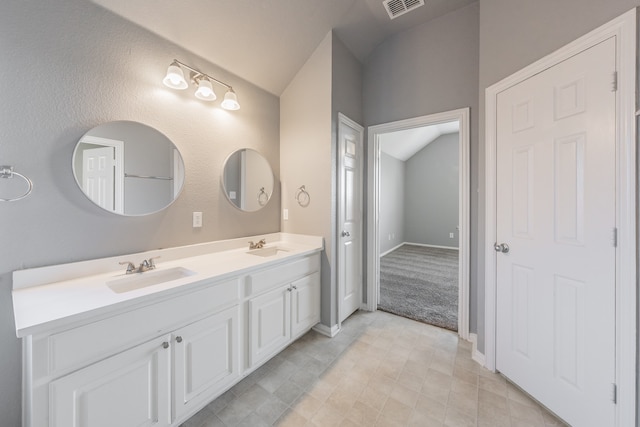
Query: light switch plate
x=197, y=219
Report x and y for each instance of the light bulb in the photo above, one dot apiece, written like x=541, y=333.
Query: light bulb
x=205, y=90
x=230, y=101
x=175, y=77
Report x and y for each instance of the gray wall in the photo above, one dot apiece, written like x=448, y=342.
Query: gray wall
x=70, y=66
x=431, y=200
x=430, y=69
x=346, y=98
x=306, y=159
x=392, y=202
x=514, y=34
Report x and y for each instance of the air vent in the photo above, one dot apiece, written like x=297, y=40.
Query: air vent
x=396, y=8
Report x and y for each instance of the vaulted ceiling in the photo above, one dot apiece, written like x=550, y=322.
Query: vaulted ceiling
x=267, y=41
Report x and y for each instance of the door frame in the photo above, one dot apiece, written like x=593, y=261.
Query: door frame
x=118, y=146
x=344, y=120
x=373, y=207
x=623, y=29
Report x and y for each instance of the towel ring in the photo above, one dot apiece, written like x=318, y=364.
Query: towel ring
x=263, y=197
x=7, y=172
x=302, y=197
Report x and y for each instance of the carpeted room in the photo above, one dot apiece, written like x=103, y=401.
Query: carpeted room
x=419, y=177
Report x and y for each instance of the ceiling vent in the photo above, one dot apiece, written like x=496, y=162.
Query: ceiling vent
x=396, y=8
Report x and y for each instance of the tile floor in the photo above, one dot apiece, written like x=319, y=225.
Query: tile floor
x=381, y=370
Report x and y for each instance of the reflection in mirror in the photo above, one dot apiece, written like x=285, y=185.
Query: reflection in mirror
x=128, y=168
x=247, y=180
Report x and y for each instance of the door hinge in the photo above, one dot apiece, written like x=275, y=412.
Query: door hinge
x=615, y=237
x=614, y=83
x=614, y=393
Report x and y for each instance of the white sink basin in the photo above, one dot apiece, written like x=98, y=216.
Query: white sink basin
x=266, y=252
x=148, y=278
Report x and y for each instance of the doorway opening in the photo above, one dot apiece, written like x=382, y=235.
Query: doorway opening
x=450, y=127
x=419, y=223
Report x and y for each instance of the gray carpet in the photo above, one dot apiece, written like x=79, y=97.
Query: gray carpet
x=421, y=283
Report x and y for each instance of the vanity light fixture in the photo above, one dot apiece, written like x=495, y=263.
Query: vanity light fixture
x=175, y=80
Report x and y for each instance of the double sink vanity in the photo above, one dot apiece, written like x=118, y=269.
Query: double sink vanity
x=151, y=348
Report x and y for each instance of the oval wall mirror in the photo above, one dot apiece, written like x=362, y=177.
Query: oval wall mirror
x=128, y=168
x=247, y=180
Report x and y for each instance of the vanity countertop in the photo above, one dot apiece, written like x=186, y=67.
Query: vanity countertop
x=71, y=295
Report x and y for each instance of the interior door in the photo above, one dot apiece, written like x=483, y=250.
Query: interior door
x=349, y=216
x=98, y=176
x=556, y=224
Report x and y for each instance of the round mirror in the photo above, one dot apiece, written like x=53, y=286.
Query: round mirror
x=247, y=180
x=128, y=168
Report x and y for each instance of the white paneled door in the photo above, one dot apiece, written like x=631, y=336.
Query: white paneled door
x=349, y=216
x=98, y=180
x=556, y=225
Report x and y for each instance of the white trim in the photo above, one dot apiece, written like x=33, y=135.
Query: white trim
x=326, y=330
x=432, y=246
x=373, y=207
x=119, y=167
x=392, y=249
x=344, y=120
x=475, y=354
x=417, y=244
x=623, y=29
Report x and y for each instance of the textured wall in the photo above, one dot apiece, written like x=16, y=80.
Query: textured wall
x=346, y=98
x=306, y=158
x=429, y=69
x=69, y=66
x=431, y=200
x=392, y=202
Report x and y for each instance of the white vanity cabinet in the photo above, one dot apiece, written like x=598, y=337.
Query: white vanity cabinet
x=160, y=357
x=129, y=389
x=150, y=366
x=284, y=303
x=205, y=360
x=135, y=387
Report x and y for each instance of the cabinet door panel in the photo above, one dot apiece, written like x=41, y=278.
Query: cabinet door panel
x=206, y=359
x=305, y=306
x=270, y=320
x=129, y=389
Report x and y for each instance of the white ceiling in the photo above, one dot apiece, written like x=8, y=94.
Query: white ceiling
x=403, y=144
x=267, y=41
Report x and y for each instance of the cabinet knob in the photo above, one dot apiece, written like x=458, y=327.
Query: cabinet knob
x=165, y=345
x=289, y=289
x=294, y=287
x=179, y=338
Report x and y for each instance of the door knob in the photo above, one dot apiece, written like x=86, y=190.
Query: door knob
x=345, y=234
x=502, y=247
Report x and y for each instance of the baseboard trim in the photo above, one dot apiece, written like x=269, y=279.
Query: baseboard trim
x=431, y=246
x=475, y=354
x=391, y=250
x=327, y=331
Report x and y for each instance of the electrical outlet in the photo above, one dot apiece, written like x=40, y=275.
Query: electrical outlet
x=197, y=219
x=451, y=235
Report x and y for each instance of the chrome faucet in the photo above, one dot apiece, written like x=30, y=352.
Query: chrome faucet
x=258, y=245
x=130, y=267
x=146, y=265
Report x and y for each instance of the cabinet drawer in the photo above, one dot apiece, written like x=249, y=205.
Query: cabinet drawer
x=267, y=279
x=77, y=347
